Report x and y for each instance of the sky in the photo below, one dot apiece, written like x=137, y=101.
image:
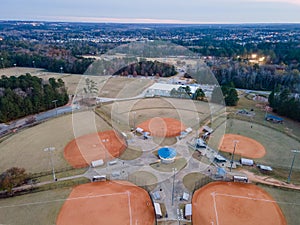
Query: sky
x=153, y=11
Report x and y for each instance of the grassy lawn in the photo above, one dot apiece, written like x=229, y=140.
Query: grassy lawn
x=288, y=201
x=121, y=113
x=26, y=148
x=277, y=144
x=131, y=153
x=143, y=179
x=68, y=173
x=289, y=126
x=179, y=164
x=37, y=208
x=191, y=179
x=164, y=141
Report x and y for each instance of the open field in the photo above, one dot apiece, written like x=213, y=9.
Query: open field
x=37, y=208
x=235, y=204
x=108, y=86
x=277, y=144
x=288, y=201
x=25, y=149
x=107, y=203
x=289, y=126
x=126, y=114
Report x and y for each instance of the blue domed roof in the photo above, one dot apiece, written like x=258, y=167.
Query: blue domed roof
x=167, y=153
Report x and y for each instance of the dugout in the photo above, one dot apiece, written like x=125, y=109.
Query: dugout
x=97, y=163
x=247, y=162
x=99, y=178
x=158, y=212
x=242, y=179
x=188, y=211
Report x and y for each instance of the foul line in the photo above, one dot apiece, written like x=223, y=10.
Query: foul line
x=215, y=206
x=255, y=199
x=129, y=204
x=59, y=200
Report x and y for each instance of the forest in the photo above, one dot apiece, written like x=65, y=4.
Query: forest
x=285, y=103
x=148, y=68
x=26, y=95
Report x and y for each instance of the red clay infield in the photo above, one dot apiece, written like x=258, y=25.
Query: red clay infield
x=107, y=203
x=229, y=203
x=246, y=147
x=163, y=127
x=81, y=151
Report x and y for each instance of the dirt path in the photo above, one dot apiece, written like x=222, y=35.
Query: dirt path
x=268, y=180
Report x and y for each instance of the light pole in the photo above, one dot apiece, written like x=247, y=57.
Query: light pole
x=134, y=122
x=61, y=69
x=232, y=156
x=290, y=173
x=54, y=101
x=50, y=149
x=173, y=186
x=2, y=63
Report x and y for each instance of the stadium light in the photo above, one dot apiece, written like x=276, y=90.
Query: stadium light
x=173, y=187
x=232, y=156
x=290, y=173
x=50, y=149
x=54, y=101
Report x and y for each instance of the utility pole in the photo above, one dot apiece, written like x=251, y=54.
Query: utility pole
x=290, y=173
x=50, y=149
x=173, y=186
x=232, y=156
x=54, y=101
x=134, y=113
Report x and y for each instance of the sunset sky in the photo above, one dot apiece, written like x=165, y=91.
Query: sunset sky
x=154, y=11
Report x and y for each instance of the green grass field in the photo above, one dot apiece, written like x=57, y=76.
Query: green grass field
x=34, y=209
x=277, y=144
x=26, y=148
x=288, y=201
x=143, y=179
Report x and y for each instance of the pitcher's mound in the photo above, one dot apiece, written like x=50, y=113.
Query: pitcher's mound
x=107, y=203
x=246, y=147
x=107, y=145
x=163, y=127
x=235, y=204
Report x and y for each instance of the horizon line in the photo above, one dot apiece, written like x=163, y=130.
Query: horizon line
x=139, y=21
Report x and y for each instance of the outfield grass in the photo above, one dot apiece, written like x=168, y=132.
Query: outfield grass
x=289, y=126
x=288, y=201
x=37, y=208
x=277, y=144
x=26, y=148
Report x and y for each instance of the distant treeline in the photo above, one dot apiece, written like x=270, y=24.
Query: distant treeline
x=26, y=95
x=256, y=77
x=148, y=68
x=75, y=66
